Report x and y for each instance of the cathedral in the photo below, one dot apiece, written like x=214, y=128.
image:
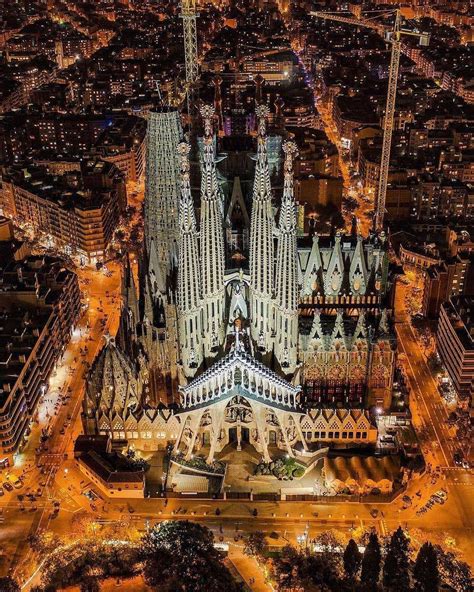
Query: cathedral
x=239, y=328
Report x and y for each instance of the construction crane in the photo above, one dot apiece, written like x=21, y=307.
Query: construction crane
x=394, y=36
x=189, y=16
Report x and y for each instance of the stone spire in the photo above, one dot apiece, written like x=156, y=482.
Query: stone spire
x=212, y=244
x=162, y=185
x=261, y=244
x=189, y=275
x=129, y=294
x=286, y=292
x=112, y=384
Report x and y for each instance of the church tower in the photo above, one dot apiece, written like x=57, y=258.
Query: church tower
x=261, y=244
x=189, y=275
x=286, y=291
x=212, y=244
x=162, y=187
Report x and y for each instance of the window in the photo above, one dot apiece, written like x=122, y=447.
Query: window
x=358, y=435
x=336, y=434
x=344, y=435
x=331, y=435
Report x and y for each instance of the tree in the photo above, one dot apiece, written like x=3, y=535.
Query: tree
x=89, y=585
x=179, y=537
x=425, y=572
x=454, y=572
x=395, y=572
x=371, y=561
x=352, y=559
x=8, y=584
x=180, y=555
x=287, y=568
x=256, y=544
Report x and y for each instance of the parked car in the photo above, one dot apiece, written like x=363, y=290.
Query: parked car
x=1, y=491
x=16, y=482
x=7, y=486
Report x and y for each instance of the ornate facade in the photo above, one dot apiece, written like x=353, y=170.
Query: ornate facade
x=285, y=345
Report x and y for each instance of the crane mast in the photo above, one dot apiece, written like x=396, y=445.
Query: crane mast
x=388, y=125
x=189, y=16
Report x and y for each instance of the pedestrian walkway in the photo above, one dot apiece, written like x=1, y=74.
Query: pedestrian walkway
x=249, y=569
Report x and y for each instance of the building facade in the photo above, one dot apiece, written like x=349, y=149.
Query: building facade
x=79, y=210
x=39, y=304
x=455, y=340
x=284, y=345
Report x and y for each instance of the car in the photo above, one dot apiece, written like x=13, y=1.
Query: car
x=442, y=493
x=458, y=459
x=7, y=486
x=1, y=491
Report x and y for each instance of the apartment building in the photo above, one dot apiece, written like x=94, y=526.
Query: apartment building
x=39, y=306
x=456, y=344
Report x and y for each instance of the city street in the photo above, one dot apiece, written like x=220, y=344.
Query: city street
x=258, y=383
x=365, y=203
x=430, y=416
x=64, y=483
x=27, y=518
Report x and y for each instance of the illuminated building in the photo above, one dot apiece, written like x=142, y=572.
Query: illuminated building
x=291, y=347
x=39, y=306
x=79, y=210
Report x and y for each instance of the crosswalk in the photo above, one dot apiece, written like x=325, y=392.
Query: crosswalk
x=51, y=458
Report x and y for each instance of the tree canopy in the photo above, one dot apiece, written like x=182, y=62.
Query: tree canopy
x=180, y=555
x=8, y=584
x=371, y=563
x=396, y=566
x=425, y=571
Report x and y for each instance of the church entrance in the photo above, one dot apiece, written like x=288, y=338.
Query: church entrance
x=244, y=435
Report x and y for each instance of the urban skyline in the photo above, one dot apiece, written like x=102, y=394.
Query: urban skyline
x=237, y=275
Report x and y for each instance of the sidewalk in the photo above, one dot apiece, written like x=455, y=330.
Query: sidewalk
x=249, y=568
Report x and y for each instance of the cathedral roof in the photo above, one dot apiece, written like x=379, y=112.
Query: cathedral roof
x=349, y=326
x=112, y=382
x=333, y=266
x=236, y=357
x=277, y=391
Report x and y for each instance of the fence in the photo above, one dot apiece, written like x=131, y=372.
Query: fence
x=277, y=497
